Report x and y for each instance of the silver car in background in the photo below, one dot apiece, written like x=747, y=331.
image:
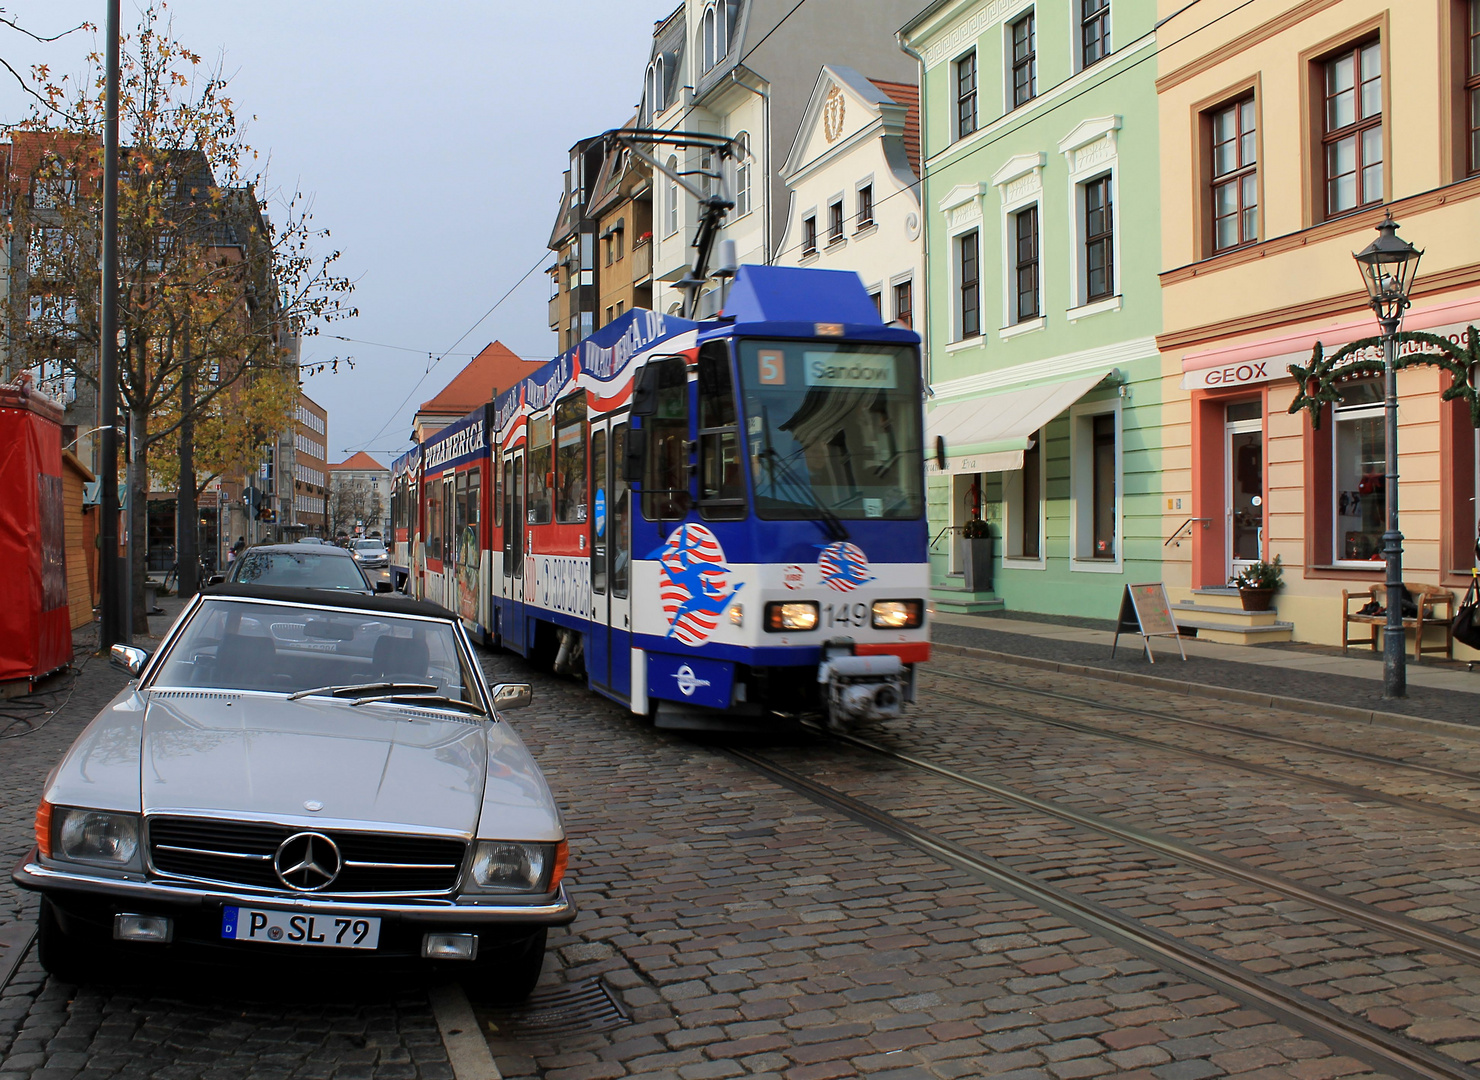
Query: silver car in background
x=301, y=773
x=371, y=553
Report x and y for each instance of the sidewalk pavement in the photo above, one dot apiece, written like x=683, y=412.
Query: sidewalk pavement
x=1320, y=677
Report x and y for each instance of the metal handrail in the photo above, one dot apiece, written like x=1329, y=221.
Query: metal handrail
x=1176, y=536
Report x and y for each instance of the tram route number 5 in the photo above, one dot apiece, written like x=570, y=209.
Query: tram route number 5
x=772, y=363
x=845, y=615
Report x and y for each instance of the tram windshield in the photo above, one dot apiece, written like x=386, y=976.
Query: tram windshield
x=833, y=425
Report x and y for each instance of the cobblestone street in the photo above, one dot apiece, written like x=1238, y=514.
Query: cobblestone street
x=1032, y=876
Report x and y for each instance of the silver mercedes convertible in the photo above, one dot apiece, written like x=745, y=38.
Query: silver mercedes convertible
x=301, y=773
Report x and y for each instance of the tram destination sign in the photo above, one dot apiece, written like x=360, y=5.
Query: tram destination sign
x=848, y=369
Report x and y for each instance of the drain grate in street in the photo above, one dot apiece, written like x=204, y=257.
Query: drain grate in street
x=575, y=1008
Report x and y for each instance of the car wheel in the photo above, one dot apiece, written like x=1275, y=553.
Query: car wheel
x=60, y=953
x=507, y=974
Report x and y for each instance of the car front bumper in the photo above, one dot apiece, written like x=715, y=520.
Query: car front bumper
x=138, y=892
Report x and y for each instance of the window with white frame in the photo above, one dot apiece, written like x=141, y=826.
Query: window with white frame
x=715, y=32
x=1094, y=31
x=966, y=113
x=1022, y=496
x=1095, y=485
x=670, y=208
x=835, y=221
x=904, y=302
x=809, y=235
x=1026, y=303
x=742, y=174
x=706, y=172
x=865, y=206
x=1097, y=214
x=1023, y=37
x=1359, y=472
x=968, y=285
x=655, y=87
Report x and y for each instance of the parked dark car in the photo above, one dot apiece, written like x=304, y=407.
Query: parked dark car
x=300, y=566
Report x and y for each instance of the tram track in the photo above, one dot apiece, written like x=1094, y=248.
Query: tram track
x=1356, y=791
x=1390, y=1053
x=1213, y=725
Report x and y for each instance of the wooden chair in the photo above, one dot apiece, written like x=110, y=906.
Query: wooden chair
x=1429, y=598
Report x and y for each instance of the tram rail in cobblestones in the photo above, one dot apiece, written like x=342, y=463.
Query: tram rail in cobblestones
x=1383, y=1050
x=1422, y=806
x=1213, y=725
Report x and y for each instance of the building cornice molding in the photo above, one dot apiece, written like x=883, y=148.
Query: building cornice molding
x=1019, y=165
x=1263, y=32
x=1051, y=369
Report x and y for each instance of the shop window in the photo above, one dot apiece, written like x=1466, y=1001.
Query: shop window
x=1233, y=189
x=1104, y=487
x=1096, y=486
x=966, y=95
x=541, y=471
x=1351, y=129
x=1024, y=60
x=721, y=474
x=1023, y=494
x=1358, y=458
x=666, y=486
x=570, y=460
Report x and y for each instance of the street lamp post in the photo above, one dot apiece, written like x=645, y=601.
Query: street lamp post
x=1388, y=267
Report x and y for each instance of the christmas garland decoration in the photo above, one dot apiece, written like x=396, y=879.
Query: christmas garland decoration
x=1318, y=383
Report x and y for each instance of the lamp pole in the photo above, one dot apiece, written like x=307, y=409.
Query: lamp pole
x=111, y=581
x=1388, y=266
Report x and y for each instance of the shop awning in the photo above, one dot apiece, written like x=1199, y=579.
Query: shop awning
x=989, y=433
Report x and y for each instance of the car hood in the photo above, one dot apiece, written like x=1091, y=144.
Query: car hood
x=252, y=755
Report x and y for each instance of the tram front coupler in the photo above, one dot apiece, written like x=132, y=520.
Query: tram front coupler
x=860, y=688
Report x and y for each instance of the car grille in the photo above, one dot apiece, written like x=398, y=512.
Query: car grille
x=241, y=853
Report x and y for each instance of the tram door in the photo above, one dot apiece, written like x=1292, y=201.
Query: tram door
x=511, y=625
x=608, y=661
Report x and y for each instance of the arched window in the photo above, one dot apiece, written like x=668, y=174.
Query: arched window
x=656, y=104
x=742, y=174
x=712, y=29
x=672, y=207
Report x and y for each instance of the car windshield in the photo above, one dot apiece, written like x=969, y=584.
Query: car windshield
x=231, y=644
x=369, y=545
x=298, y=569
x=835, y=426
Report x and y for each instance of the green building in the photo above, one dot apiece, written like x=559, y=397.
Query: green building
x=1040, y=180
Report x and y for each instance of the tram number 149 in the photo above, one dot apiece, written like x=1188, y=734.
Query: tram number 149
x=845, y=614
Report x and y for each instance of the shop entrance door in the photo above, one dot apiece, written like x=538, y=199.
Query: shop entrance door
x=1244, y=449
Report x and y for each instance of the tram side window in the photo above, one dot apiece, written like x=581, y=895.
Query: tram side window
x=598, y=515
x=471, y=537
x=570, y=459
x=721, y=475
x=449, y=521
x=498, y=494
x=541, y=471
x=508, y=512
x=515, y=529
x=620, y=513
x=460, y=519
x=666, y=483
x=434, y=519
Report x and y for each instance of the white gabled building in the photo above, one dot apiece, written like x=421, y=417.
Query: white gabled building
x=745, y=69
x=854, y=188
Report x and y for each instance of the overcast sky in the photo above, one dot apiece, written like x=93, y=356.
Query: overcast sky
x=433, y=136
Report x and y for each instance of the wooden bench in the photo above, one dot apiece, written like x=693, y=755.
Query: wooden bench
x=1428, y=599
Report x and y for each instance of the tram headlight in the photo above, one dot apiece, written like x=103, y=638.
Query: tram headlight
x=791, y=615
x=897, y=614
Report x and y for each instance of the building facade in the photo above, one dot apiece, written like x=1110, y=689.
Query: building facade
x=1289, y=130
x=310, y=469
x=1040, y=195
x=746, y=69
x=359, y=500
x=853, y=188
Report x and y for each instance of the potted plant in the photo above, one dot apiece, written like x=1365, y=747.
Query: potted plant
x=976, y=555
x=1257, y=582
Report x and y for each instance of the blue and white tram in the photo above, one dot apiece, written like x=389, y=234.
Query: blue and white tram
x=726, y=517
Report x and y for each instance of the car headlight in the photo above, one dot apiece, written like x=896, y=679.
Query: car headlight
x=505, y=866
x=897, y=614
x=95, y=836
x=791, y=615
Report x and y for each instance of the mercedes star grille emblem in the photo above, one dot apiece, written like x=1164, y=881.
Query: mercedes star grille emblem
x=307, y=862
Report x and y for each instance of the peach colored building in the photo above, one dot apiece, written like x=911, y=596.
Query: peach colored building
x=1288, y=129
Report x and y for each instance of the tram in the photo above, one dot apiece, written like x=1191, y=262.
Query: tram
x=706, y=520
x=405, y=510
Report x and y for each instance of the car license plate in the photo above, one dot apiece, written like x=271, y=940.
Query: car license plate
x=293, y=928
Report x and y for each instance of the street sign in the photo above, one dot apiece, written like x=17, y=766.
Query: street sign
x=1145, y=610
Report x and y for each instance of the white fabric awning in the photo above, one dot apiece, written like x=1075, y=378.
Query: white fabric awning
x=989, y=433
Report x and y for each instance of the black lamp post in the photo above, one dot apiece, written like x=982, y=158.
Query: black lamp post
x=1388, y=267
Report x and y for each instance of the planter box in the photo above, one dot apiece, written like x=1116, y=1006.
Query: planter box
x=1255, y=599
x=975, y=556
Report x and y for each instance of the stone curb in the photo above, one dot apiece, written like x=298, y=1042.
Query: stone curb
x=1224, y=693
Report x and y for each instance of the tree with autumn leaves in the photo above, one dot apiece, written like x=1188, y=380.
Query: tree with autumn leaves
x=214, y=293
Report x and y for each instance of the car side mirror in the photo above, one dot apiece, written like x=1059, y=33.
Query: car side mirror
x=216, y=579
x=384, y=586
x=634, y=456
x=512, y=695
x=129, y=658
